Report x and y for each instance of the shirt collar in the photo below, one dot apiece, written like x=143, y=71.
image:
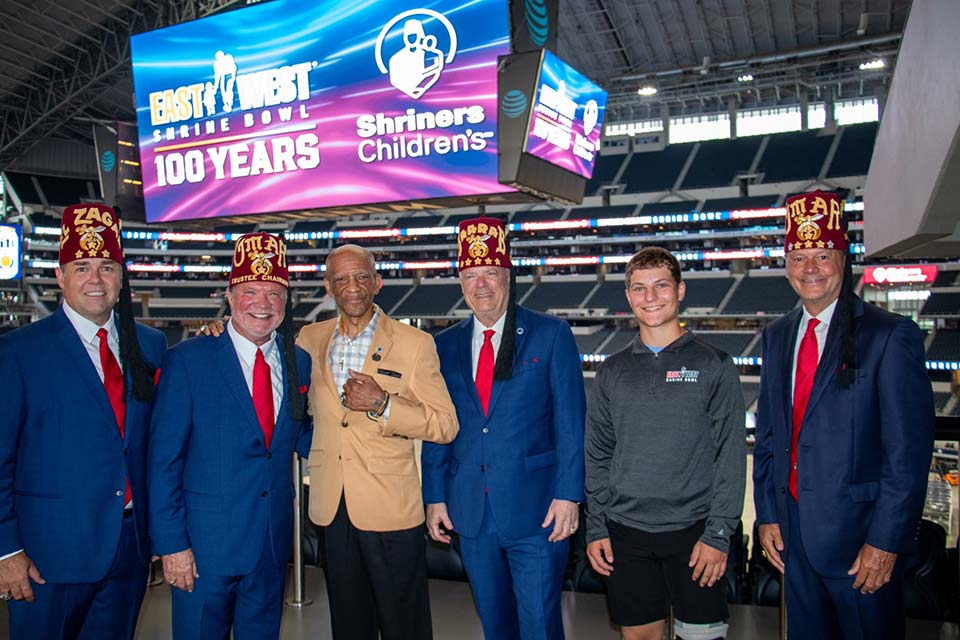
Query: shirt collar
x=824, y=317
x=370, y=328
x=246, y=349
x=497, y=327
x=87, y=329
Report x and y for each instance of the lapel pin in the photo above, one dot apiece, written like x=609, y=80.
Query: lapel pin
x=519, y=331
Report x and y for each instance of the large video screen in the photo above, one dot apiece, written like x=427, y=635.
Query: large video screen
x=295, y=105
x=567, y=117
x=11, y=251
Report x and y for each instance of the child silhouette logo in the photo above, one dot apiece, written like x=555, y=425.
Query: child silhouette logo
x=418, y=62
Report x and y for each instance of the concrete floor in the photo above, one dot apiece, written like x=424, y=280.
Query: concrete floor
x=454, y=617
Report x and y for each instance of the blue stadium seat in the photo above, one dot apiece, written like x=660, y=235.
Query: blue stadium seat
x=656, y=170
x=718, y=161
x=794, y=156
x=604, y=171
x=854, y=151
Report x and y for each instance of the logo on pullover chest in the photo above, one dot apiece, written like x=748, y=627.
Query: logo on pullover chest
x=683, y=375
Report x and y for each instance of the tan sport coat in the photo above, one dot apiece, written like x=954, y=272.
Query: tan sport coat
x=374, y=464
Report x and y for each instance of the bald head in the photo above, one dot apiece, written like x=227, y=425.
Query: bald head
x=355, y=250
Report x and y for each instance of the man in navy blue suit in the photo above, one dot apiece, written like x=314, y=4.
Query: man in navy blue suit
x=76, y=397
x=229, y=415
x=510, y=483
x=844, y=438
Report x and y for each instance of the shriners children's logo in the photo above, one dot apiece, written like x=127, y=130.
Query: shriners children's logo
x=418, y=63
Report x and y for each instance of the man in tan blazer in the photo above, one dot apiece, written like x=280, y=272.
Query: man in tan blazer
x=375, y=389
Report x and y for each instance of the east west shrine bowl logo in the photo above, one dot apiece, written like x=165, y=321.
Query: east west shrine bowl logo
x=417, y=64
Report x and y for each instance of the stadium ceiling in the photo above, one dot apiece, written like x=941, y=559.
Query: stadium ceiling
x=65, y=64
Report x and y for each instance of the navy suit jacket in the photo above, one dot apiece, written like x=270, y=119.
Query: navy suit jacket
x=528, y=450
x=214, y=486
x=864, y=452
x=62, y=460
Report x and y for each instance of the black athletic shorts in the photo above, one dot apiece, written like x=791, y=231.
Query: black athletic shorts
x=650, y=574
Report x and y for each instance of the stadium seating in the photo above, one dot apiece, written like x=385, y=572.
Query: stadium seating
x=656, y=170
x=945, y=345
x=610, y=295
x=732, y=204
x=588, y=342
x=536, y=215
x=755, y=295
x=655, y=208
x=794, y=156
x=588, y=213
x=565, y=294
x=604, y=172
x=417, y=222
x=942, y=304
x=430, y=299
x=718, y=162
x=705, y=293
x=945, y=278
x=852, y=157
x=391, y=293
x=729, y=342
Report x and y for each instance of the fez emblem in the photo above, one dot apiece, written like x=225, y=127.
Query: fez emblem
x=90, y=239
x=260, y=264
x=809, y=230
x=478, y=247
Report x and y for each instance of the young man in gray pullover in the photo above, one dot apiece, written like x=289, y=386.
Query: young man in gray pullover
x=665, y=465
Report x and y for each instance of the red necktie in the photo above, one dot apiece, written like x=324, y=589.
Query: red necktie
x=263, y=396
x=484, y=380
x=807, y=358
x=113, y=383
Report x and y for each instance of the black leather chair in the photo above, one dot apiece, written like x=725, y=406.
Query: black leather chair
x=763, y=578
x=924, y=578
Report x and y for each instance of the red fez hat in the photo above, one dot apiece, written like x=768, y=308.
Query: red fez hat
x=482, y=242
x=260, y=257
x=815, y=221
x=89, y=231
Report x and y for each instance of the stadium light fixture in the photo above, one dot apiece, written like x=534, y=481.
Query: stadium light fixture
x=873, y=65
x=647, y=90
x=745, y=78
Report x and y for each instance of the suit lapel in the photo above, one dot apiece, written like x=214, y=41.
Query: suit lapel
x=283, y=415
x=789, y=343
x=70, y=344
x=522, y=331
x=465, y=350
x=325, y=347
x=827, y=367
x=228, y=362
x=380, y=346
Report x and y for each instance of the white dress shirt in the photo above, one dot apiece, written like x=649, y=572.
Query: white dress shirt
x=820, y=331
x=87, y=331
x=247, y=354
x=478, y=330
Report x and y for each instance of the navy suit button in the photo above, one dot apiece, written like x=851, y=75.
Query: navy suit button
x=782, y=490
x=264, y=494
x=483, y=468
x=787, y=450
x=485, y=430
x=269, y=455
